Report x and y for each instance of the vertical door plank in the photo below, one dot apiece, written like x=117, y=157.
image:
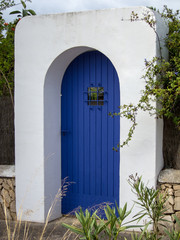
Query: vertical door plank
x=92, y=125
x=81, y=140
x=86, y=129
x=110, y=130
x=98, y=120
x=104, y=130
x=75, y=170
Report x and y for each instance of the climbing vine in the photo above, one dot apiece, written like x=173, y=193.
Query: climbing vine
x=162, y=78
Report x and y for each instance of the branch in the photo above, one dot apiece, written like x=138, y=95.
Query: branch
x=11, y=4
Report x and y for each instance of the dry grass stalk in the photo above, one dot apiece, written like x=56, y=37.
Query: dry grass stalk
x=60, y=194
x=15, y=233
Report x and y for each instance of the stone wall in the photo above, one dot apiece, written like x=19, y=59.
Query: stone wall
x=7, y=198
x=169, y=183
x=7, y=192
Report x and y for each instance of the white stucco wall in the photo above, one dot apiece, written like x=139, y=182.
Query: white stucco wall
x=44, y=47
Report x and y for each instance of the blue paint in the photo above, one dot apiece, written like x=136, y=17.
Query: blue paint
x=89, y=134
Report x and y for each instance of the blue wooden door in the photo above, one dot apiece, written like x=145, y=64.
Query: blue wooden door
x=90, y=90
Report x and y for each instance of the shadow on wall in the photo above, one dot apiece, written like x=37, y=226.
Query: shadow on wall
x=171, y=145
x=6, y=131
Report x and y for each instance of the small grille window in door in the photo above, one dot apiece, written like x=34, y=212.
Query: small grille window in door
x=95, y=96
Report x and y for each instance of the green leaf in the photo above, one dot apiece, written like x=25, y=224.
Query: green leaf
x=23, y=3
x=15, y=12
x=25, y=13
x=74, y=229
x=32, y=12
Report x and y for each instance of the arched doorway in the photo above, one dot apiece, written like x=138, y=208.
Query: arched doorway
x=90, y=90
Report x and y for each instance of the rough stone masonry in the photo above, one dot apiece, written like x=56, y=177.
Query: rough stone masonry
x=7, y=198
x=169, y=182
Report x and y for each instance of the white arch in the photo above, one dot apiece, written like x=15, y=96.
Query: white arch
x=44, y=46
x=52, y=125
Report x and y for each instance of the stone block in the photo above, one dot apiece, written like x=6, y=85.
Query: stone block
x=164, y=193
x=6, y=196
x=13, y=182
x=177, y=193
x=169, y=208
x=12, y=194
x=9, y=182
x=5, y=186
x=1, y=213
x=170, y=192
x=177, y=204
x=3, y=203
x=163, y=187
x=167, y=185
x=13, y=206
x=14, y=217
x=167, y=224
x=171, y=200
x=1, y=180
x=1, y=200
x=7, y=214
x=169, y=176
x=177, y=225
x=176, y=187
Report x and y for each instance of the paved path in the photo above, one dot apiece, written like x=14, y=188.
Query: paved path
x=54, y=230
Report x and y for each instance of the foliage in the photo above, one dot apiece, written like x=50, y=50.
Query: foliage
x=93, y=225
x=144, y=235
x=7, y=48
x=6, y=4
x=7, y=57
x=162, y=77
x=174, y=235
x=151, y=203
x=116, y=220
x=90, y=228
x=129, y=112
x=25, y=12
